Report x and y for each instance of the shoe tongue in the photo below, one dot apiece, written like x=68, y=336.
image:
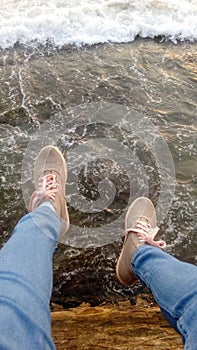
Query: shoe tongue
x=50, y=172
x=53, y=172
x=144, y=219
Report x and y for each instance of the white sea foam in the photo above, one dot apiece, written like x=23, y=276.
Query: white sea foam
x=63, y=22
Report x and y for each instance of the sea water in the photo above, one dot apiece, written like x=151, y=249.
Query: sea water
x=113, y=84
x=90, y=22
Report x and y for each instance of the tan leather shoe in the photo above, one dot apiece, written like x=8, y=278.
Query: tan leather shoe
x=50, y=175
x=140, y=228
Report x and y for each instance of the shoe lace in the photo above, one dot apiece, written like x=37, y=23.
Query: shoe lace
x=146, y=234
x=48, y=187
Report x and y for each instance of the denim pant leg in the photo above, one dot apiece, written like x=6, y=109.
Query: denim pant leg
x=174, y=286
x=26, y=282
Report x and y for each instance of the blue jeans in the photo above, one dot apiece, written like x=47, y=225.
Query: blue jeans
x=174, y=286
x=26, y=285
x=26, y=282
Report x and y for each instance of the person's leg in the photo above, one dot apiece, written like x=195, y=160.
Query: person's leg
x=26, y=259
x=174, y=286
x=26, y=282
x=173, y=283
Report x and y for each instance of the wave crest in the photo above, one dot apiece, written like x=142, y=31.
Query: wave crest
x=60, y=23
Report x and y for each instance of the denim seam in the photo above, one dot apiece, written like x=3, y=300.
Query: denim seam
x=185, y=331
